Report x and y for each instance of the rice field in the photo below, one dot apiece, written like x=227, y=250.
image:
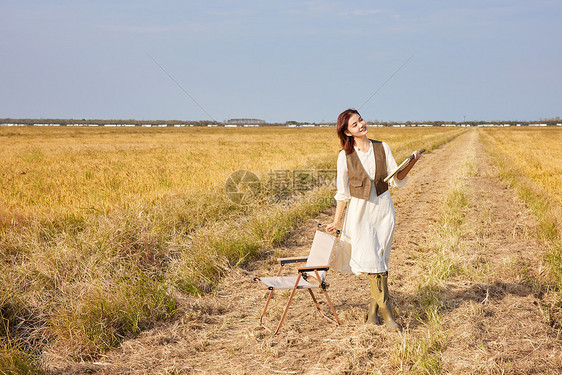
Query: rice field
x=537, y=153
x=101, y=229
x=61, y=171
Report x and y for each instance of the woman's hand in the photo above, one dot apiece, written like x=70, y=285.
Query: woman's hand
x=337, y=217
x=332, y=226
x=404, y=172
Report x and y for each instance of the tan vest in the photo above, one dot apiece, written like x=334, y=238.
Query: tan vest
x=359, y=182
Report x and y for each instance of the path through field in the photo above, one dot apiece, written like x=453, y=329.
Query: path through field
x=478, y=260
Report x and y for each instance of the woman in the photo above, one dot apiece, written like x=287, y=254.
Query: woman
x=369, y=224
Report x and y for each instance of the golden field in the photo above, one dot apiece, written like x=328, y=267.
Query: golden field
x=75, y=170
x=101, y=228
x=536, y=152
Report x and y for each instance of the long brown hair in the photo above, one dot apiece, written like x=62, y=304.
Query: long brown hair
x=347, y=141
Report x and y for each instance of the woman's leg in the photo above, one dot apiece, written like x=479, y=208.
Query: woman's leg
x=380, y=301
x=372, y=312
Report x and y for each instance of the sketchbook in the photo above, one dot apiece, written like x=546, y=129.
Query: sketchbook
x=400, y=167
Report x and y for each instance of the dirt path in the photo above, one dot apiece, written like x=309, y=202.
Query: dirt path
x=489, y=317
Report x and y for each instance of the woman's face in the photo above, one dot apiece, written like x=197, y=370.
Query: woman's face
x=356, y=126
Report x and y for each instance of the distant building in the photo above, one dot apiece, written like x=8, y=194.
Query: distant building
x=245, y=121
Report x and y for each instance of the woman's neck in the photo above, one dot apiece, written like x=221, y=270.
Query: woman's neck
x=362, y=143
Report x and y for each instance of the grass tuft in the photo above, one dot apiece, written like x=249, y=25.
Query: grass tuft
x=14, y=361
x=413, y=355
x=106, y=314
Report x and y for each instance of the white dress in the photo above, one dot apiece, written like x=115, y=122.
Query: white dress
x=368, y=226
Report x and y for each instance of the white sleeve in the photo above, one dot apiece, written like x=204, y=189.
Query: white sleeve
x=342, y=179
x=390, y=166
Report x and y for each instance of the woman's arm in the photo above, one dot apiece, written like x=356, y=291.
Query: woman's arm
x=342, y=196
x=404, y=172
x=337, y=216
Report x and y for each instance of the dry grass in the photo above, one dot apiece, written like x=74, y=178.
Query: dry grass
x=421, y=352
x=535, y=152
x=529, y=160
x=465, y=284
x=100, y=228
x=452, y=259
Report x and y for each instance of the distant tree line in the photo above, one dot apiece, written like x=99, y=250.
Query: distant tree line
x=66, y=122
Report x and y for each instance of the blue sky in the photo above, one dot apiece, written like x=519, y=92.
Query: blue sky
x=281, y=60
